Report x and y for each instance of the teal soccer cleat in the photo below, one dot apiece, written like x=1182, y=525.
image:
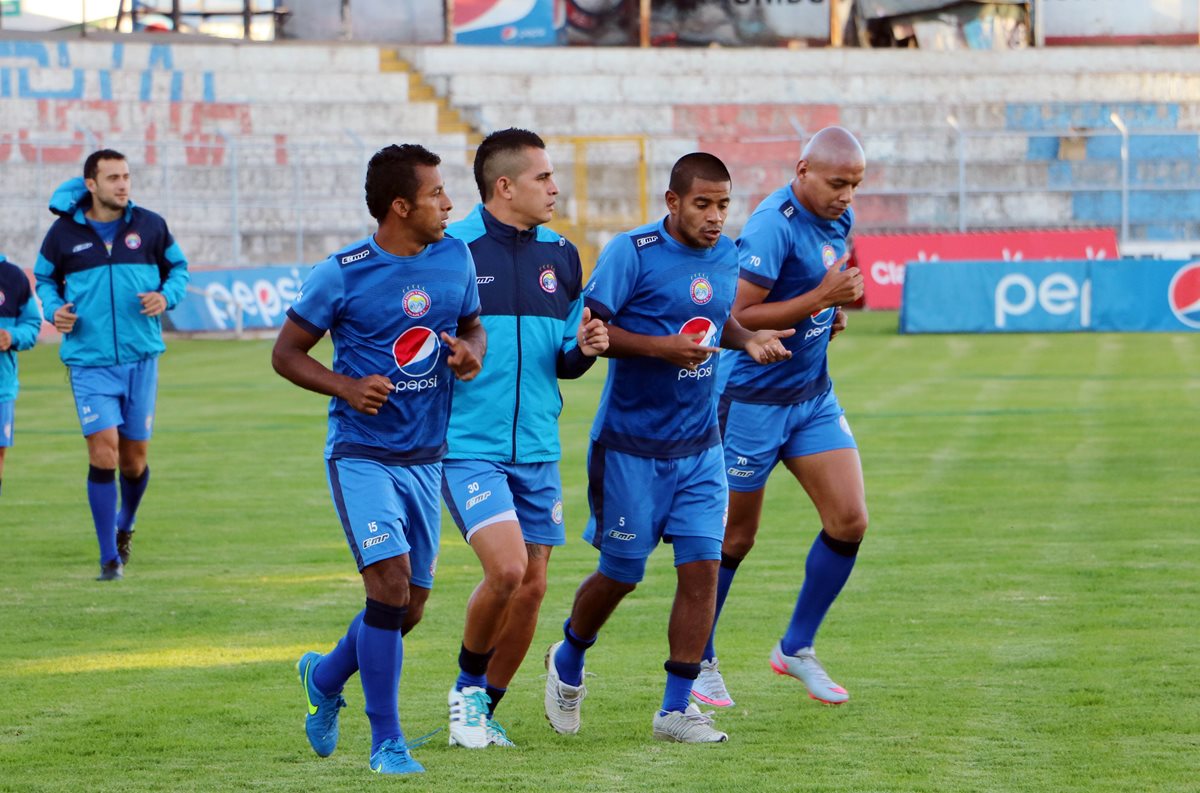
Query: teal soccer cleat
x=321, y=721
x=392, y=757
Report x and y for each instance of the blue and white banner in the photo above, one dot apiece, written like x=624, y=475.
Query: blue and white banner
x=262, y=295
x=1036, y=296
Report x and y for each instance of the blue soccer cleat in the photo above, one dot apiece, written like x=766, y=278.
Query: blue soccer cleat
x=392, y=757
x=321, y=722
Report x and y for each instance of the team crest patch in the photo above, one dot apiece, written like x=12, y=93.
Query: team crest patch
x=133, y=241
x=556, y=513
x=702, y=291
x=548, y=281
x=2, y=297
x=416, y=303
x=828, y=255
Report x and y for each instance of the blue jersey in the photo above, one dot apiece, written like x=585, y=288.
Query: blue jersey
x=19, y=316
x=529, y=290
x=786, y=249
x=647, y=282
x=386, y=315
x=76, y=266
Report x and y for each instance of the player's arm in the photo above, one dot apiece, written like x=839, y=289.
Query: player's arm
x=172, y=267
x=49, y=289
x=24, y=334
x=679, y=349
x=764, y=346
x=467, y=348
x=291, y=359
x=588, y=338
x=838, y=288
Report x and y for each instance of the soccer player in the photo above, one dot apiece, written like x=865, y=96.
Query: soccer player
x=402, y=309
x=19, y=326
x=665, y=290
x=500, y=478
x=791, y=254
x=107, y=271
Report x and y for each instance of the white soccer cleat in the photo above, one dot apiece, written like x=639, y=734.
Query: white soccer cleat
x=496, y=734
x=468, y=718
x=709, y=686
x=690, y=726
x=805, y=667
x=562, y=701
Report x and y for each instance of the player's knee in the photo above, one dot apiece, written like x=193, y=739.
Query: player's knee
x=505, y=577
x=533, y=588
x=737, y=547
x=849, y=524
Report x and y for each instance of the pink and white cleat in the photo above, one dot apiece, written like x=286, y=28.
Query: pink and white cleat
x=805, y=667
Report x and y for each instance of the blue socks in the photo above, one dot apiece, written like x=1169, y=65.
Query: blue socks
x=131, y=495
x=102, y=498
x=829, y=565
x=729, y=566
x=680, y=677
x=495, y=695
x=472, y=668
x=340, y=663
x=380, y=656
x=569, y=658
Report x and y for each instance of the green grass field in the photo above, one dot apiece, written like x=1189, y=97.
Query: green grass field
x=1024, y=616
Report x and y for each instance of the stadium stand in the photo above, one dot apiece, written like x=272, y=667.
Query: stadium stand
x=281, y=131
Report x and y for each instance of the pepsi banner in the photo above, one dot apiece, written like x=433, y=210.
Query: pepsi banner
x=1024, y=297
x=881, y=257
x=520, y=22
x=215, y=297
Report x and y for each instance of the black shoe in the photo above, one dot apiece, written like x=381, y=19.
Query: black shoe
x=124, y=540
x=111, y=571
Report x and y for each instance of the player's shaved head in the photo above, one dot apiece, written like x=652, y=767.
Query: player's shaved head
x=832, y=166
x=834, y=146
x=697, y=165
x=503, y=153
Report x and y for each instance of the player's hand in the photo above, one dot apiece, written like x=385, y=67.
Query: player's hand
x=839, y=324
x=153, y=303
x=5, y=340
x=765, y=346
x=685, y=350
x=464, y=361
x=592, y=335
x=367, y=394
x=64, y=318
x=842, y=286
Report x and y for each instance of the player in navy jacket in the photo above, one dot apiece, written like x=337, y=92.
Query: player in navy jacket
x=19, y=326
x=106, y=273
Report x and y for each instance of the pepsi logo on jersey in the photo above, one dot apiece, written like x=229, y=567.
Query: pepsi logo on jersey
x=693, y=327
x=416, y=353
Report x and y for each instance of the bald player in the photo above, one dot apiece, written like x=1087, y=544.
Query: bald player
x=792, y=274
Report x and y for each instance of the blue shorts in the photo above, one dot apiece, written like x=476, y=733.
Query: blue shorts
x=479, y=493
x=116, y=396
x=388, y=511
x=6, y=423
x=756, y=437
x=636, y=501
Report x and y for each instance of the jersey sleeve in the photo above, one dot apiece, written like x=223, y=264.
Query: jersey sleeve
x=29, y=323
x=614, y=279
x=49, y=278
x=763, y=246
x=321, y=299
x=470, y=305
x=172, y=267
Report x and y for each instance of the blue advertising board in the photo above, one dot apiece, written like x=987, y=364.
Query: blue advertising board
x=1037, y=296
x=214, y=297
